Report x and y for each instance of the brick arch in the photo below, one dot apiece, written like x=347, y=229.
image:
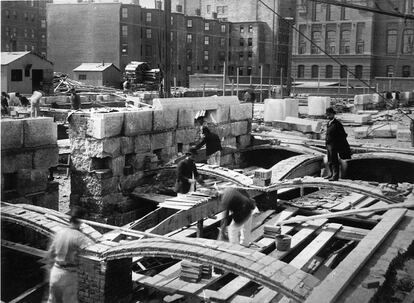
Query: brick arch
x=260, y=268
x=298, y=149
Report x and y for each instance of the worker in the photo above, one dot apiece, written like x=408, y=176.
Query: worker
x=187, y=174
x=35, y=103
x=336, y=144
x=63, y=252
x=4, y=104
x=14, y=99
x=238, y=204
x=213, y=146
x=412, y=131
x=126, y=85
x=74, y=100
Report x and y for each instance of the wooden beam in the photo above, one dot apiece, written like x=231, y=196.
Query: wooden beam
x=24, y=249
x=24, y=297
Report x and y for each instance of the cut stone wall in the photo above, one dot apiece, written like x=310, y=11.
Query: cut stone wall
x=110, y=151
x=28, y=150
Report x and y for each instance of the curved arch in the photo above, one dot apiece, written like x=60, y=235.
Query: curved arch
x=268, y=271
x=297, y=166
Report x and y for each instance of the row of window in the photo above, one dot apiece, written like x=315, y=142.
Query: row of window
x=343, y=71
x=12, y=32
x=12, y=47
x=407, y=45
x=14, y=14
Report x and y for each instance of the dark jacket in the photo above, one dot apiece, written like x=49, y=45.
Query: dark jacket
x=238, y=202
x=75, y=101
x=212, y=142
x=336, y=138
x=185, y=169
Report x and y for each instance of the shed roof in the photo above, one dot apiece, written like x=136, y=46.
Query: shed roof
x=8, y=57
x=93, y=67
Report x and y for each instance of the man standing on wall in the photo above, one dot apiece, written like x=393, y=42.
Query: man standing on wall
x=336, y=144
x=213, y=146
x=75, y=101
x=187, y=174
x=64, y=250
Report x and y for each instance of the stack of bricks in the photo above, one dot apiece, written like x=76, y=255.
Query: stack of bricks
x=28, y=150
x=110, y=151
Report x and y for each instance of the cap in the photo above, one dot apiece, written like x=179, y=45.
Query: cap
x=330, y=110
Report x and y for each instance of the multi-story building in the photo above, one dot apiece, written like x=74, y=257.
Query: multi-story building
x=365, y=45
x=23, y=26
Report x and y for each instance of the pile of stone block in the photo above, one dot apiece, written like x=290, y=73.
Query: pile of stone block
x=28, y=150
x=111, y=150
x=376, y=131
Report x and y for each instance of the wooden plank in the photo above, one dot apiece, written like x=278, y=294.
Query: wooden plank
x=335, y=283
x=369, y=214
x=25, y=297
x=24, y=249
x=368, y=201
x=349, y=201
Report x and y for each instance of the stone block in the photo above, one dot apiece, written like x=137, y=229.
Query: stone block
x=11, y=134
x=165, y=119
x=317, y=105
x=241, y=112
x=360, y=132
x=301, y=125
x=117, y=165
x=49, y=200
x=223, y=130
x=138, y=122
x=195, y=103
x=11, y=163
x=162, y=140
x=39, y=132
x=404, y=135
x=46, y=157
x=239, y=128
x=243, y=141
x=220, y=115
x=31, y=180
x=229, y=142
x=227, y=160
x=315, y=125
x=353, y=118
x=105, y=125
x=108, y=147
x=185, y=136
x=127, y=145
x=142, y=161
x=142, y=143
x=185, y=118
x=385, y=131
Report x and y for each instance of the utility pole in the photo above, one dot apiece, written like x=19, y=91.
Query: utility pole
x=167, y=52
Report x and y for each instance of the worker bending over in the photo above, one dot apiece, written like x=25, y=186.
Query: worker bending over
x=213, y=146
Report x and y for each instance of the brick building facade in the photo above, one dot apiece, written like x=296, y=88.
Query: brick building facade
x=23, y=26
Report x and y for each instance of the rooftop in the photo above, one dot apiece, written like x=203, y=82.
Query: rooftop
x=93, y=67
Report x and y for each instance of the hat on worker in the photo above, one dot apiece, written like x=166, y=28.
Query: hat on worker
x=330, y=110
x=191, y=151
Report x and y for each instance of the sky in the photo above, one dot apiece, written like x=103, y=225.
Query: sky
x=144, y=3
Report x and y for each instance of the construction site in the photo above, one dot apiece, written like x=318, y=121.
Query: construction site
x=117, y=156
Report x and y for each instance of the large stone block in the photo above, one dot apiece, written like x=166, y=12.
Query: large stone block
x=353, y=118
x=385, y=131
x=105, y=125
x=185, y=136
x=117, y=165
x=138, y=122
x=239, y=128
x=241, y=112
x=230, y=142
x=243, y=141
x=165, y=119
x=404, y=135
x=195, y=103
x=11, y=134
x=39, y=132
x=142, y=143
x=127, y=145
x=223, y=130
x=162, y=140
x=11, y=163
x=31, y=180
x=185, y=118
x=220, y=115
x=317, y=105
x=46, y=157
x=301, y=124
x=108, y=147
x=360, y=132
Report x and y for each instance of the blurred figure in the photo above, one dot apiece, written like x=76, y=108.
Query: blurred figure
x=213, y=146
x=35, y=103
x=14, y=99
x=24, y=101
x=63, y=252
x=4, y=104
x=187, y=174
x=75, y=101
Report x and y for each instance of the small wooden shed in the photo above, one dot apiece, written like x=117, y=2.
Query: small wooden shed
x=98, y=74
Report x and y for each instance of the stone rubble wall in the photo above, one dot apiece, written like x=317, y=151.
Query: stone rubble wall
x=110, y=151
x=28, y=150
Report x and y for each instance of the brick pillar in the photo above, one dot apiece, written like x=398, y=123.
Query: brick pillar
x=104, y=281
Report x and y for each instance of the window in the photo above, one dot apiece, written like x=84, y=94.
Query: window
x=206, y=26
x=25, y=32
x=26, y=16
x=391, y=41
x=124, y=30
x=179, y=8
x=315, y=71
x=206, y=40
x=15, y=14
x=7, y=47
x=344, y=13
x=316, y=11
x=33, y=33
x=343, y=72
x=124, y=49
x=208, y=9
x=223, y=28
x=205, y=69
x=206, y=55
x=189, y=23
x=172, y=20
x=330, y=42
x=301, y=71
x=250, y=55
x=241, y=43
x=329, y=12
x=249, y=70
x=148, y=33
x=406, y=71
x=189, y=54
x=189, y=68
x=345, y=42
x=32, y=17
x=7, y=13
x=222, y=42
x=250, y=42
x=408, y=41
x=189, y=38
x=26, y=48
x=302, y=41
x=390, y=71
x=124, y=12
x=240, y=70
x=250, y=28
x=317, y=40
x=148, y=50
x=222, y=55
x=82, y=77
x=148, y=17
x=33, y=48
x=241, y=55
x=171, y=36
x=242, y=29
x=328, y=71
x=360, y=33
x=358, y=71
x=43, y=23
x=7, y=31
x=16, y=75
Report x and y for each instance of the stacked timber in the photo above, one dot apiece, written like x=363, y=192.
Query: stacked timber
x=191, y=272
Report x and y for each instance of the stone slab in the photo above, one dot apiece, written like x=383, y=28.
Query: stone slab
x=186, y=136
x=11, y=134
x=355, y=118
x=315, y=125
x=223, y=130
x=46, y=157
x=404, y=135
x=366, y=99
x=39, y=132
x=142, y=143
x=243, y=141
x=165, y=119
x=385, y=131
x=138, y=122
x=317, y=105
x=239, y=128
x=107, y=147
x=117, y=165
x=360, y=132
x=127, y=145
x=162, y=140
x=220, y=115
x=31, y=180
x=196, y=103
x=11, y=163
x=185, y=118
x=105, y=125
x=229, y=142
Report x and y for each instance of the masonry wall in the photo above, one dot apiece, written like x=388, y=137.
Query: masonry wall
x=28, y=150
x=111, y=151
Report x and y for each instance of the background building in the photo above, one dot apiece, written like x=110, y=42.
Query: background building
x=98, y=74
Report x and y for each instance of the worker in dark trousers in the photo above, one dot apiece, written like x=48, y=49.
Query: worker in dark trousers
x=213, y=146
x=75, y=101
x=187, y=174
x=336, y=144
x=412, y=132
